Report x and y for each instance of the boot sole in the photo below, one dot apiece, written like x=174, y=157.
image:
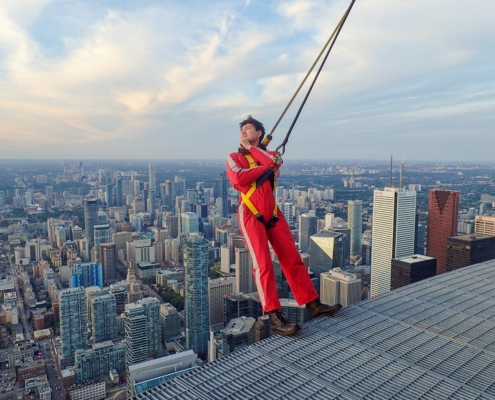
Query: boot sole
x=285, y=333
x=296, y=329
x=326, y=314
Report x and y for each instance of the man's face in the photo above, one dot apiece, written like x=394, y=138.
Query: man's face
x=250, y=133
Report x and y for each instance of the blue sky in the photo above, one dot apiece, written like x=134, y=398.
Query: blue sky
x=171, y=80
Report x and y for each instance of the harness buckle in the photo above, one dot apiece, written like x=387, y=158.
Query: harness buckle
x=272, y=222
x=260, y=218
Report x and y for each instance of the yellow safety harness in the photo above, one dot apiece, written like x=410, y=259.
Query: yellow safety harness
x=249, y=204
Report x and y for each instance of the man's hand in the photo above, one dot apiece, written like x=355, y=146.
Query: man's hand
x=245, y=143
x=276, y=172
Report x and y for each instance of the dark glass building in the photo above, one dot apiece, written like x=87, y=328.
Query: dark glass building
x=469, y=249
x=407, y=270
x=241, y=305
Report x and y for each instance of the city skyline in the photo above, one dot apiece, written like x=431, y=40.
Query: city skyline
x=135, y=81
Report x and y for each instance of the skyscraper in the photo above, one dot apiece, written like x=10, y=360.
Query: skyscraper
x=153, y=326
x=326, y=251
x=466, y=250
x=290, y=213
x=109, y=195
x=412, y=269
x=108, y=260
x=101, y=235
x=152, y=204
x=189, y=222
x=86, y=274
x=355, y=223
x=307, y=228
x=224, y=195
x=73, y=321
x=90, y=217
x=170, y=321
x=169, y=193
x=196, y=306
x=217, y=289
x=443, y=206
x=136, y=347
x=244, y=278
x=118, y=193
x=152, y=177
x=394, y=222
x=172, y=224
x=200, y=192
x=103, y=314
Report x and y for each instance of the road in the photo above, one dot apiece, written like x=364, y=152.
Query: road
x=20, y=303
x=51, y=370
x=150, y=292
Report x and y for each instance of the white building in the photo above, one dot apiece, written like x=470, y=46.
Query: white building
x=217, y=289
x=290, y=213
x=337, y=286
x=140, y=250
x=394, y=226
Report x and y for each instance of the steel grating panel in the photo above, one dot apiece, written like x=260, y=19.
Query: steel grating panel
x=434, y=339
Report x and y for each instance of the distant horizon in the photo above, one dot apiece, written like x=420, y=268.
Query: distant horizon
x=177, y=160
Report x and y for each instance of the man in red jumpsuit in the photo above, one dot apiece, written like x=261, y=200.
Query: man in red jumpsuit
x=262, y=222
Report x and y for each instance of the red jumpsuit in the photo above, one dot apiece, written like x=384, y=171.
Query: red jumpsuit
x=257, y=236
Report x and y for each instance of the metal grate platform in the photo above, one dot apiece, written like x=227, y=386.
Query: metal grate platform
x=431, y=340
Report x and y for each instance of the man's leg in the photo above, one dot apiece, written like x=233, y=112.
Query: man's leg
x=294, y=269
x=256, y=239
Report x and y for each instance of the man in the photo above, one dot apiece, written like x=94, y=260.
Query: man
x=252, y=171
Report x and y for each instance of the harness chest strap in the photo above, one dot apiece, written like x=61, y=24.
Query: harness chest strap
x=246, y=196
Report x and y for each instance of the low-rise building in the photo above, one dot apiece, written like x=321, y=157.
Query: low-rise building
x=146, y=271
x=30, y=369
x=97, y=362
x=148, y=374
x=38, y=386
x=94, y=391
x=20, y=353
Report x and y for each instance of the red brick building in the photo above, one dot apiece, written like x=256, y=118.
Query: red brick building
x=443, y=207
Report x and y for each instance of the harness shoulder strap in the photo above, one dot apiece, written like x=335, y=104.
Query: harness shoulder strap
x=254, y=185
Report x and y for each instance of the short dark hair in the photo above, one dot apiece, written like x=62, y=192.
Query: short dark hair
x=257, y=125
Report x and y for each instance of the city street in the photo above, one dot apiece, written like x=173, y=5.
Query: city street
x=51, y=370
x=20, y=303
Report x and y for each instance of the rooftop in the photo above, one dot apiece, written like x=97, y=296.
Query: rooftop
x=239, y=326
x=434, y=339
x=415, y=258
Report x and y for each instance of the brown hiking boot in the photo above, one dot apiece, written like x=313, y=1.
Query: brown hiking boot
x=280, y=326
x=318, y=309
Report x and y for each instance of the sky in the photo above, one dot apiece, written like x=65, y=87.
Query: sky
x=160, y=79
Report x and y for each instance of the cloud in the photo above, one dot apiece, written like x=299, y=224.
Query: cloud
x=121, y=76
